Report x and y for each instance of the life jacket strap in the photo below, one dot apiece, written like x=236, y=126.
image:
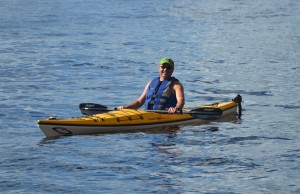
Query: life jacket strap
x=152, y=101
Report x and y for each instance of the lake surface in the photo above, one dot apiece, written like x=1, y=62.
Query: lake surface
x=55, y=55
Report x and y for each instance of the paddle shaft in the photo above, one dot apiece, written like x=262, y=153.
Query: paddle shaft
x=92, y=108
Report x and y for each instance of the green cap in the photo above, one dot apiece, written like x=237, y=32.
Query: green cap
x=167, y=60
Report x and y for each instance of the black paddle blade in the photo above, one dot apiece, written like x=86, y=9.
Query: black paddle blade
x=92, y=108
x=206, y=113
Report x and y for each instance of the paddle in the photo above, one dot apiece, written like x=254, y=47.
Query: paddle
x=92, y=108
x=200, y=112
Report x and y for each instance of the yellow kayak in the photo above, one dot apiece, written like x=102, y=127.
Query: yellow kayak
x=133, y=120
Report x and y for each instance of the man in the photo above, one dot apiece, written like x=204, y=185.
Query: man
x=162, y=93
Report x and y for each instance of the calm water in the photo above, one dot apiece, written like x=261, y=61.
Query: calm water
x=57, y=54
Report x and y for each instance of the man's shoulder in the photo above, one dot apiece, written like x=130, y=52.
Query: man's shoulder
x=175, y=80
x=177, y=83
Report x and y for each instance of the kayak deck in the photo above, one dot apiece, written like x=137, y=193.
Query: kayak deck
x=131, y=120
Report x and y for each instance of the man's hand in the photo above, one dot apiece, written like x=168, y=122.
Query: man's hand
x=172, y=110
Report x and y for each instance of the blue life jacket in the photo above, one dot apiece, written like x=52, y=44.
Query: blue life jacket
x=160, y=95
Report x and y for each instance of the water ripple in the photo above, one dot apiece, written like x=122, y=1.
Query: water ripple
x=288, y=106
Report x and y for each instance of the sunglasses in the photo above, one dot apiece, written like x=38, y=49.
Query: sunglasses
x=166, y=67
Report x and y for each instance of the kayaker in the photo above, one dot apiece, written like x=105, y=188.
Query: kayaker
x=162, y=93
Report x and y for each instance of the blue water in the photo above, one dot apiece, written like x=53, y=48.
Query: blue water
x=57, y=54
